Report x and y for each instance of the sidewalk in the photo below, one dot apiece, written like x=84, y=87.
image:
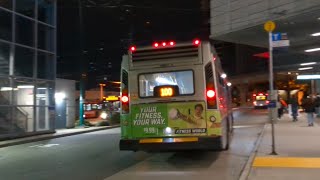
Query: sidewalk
x=59, y=133
x=298, y=149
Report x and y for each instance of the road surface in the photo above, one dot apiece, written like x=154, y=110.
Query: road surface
x=96, y=156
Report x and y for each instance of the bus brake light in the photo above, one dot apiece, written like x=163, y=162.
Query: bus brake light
x=211, y=93
x=124, y=99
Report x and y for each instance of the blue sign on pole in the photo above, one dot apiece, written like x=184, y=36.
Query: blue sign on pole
x=272, y=104
x=279, y=36
x=276, y=36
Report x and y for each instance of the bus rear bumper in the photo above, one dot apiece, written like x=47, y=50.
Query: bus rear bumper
x=202, y=143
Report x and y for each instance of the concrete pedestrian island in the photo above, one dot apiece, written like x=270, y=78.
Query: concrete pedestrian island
x=298, y=149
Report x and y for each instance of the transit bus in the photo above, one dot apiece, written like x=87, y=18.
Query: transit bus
x=174, y=96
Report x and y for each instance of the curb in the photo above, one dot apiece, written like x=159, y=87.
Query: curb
x=247, y=168
x=50, y=136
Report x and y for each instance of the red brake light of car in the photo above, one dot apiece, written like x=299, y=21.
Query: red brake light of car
x=254, y=95
x=156, y=45
x=267, y=102
x=172, y=43
x=164, y=44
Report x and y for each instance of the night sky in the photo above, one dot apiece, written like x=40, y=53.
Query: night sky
x=111, y=26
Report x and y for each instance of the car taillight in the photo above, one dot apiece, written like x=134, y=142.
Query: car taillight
x=267, y=102
x=211, y=99
x=255, y=103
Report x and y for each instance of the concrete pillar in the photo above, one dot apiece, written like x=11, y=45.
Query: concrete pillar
x=243, y=88
x=317, y=85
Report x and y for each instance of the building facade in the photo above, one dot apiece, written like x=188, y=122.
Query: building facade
x=27, y=66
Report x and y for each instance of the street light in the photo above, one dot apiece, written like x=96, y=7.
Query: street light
x=101, y=91
x=223, y=75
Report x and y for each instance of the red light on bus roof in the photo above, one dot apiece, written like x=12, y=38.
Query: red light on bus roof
x=254, y=95
x=133, y=48
x=196, y=42
x=171, y=43
x=260, y=94
x=156, y=45
x=164, y=44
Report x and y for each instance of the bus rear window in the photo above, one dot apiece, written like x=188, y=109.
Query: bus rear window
x=183, y=79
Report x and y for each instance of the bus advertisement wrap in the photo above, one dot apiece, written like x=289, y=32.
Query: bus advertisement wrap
x=167, y=119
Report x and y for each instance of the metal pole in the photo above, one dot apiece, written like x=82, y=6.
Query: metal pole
x=273, y=95
x=82, y=75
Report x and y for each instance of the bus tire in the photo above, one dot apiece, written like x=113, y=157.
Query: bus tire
x=228, y=140
x=226, y=145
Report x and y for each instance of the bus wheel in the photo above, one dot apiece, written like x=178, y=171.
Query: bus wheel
x=227, y=139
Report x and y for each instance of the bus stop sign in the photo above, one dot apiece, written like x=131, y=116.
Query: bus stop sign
x=269, y=26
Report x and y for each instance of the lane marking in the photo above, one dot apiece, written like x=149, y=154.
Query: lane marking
x=286, y=162
x=44, y=145
x=249, y=126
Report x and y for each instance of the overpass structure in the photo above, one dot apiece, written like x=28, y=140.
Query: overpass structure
x=241, y=22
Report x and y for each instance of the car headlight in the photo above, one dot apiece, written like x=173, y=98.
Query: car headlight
x=104, y=115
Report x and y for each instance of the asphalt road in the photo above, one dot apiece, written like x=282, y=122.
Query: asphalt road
x=95, y=155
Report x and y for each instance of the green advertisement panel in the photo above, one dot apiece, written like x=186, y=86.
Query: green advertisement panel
x=168, y=119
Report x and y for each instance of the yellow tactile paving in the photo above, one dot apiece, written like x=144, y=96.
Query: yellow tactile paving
x=287, y=162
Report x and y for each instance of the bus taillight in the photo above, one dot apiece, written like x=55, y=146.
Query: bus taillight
x=211, y=99
x=125, y=104
x=211, y=94
x=124, y=99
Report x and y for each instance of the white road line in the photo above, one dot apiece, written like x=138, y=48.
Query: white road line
x=44, y=145
x=237, y=127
